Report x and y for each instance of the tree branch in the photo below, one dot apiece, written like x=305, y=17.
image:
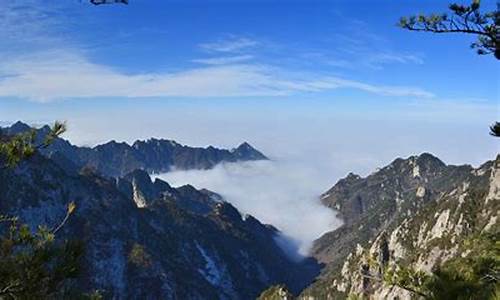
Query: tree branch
x=395, y=284
x=447, y=30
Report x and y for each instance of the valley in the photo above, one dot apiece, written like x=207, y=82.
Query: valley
x=174, y=235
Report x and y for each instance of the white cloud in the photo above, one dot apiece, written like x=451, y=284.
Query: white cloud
x=51, y=67
x=335, y=82
x=275, y=192
x=387, y=57
x=68, y=74
x=223, y=60
x=232, y=44
x=29, y=25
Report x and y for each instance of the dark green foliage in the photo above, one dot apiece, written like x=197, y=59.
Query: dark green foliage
x=474, y=276
x=13, y=149
x=276, y=292
x=410, y=280
x=33, y=265
x=462, y=19
x=495, y=129
x=139, y=257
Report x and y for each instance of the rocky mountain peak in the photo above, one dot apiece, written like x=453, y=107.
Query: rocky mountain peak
x=187, y=189
x=425, y=162
x=245, y=145
x=398, y=182
x=349, y=180
x=155, y=142
x=113, y=145
x=18, y=127
x=352, y=177
x=429, y=158
x=227, y=212
x=429, y=164
x=246, y=150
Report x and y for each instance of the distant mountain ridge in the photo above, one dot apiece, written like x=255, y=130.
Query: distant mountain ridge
x=115, y=159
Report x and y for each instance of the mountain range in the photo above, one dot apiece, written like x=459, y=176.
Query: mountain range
x=145, y=239
x=115, y=159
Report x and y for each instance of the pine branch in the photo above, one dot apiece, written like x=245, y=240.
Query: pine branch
x=465, y=20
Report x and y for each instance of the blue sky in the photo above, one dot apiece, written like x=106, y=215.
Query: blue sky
x=218, y=72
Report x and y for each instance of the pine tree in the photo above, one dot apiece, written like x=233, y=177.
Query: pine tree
x=466, y=19
x=33, y=263
x=495, y=129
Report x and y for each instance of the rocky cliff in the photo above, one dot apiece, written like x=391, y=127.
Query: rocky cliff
x=415, y=212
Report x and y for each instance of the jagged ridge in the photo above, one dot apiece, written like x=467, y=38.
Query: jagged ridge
x=154, y=155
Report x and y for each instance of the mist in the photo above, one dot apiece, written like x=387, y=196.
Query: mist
x=284, y=194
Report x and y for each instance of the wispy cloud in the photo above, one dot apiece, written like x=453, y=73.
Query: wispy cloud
x=398, y=91
x=24, y=27
x=356, y=46
x=64, y=74
x=223, y=60
x=231, y=44
x=388, y=57
x=52, y=68
x=356, y=57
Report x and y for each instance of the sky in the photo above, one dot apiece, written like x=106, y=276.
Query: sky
x=219, y=72
x=330, y=86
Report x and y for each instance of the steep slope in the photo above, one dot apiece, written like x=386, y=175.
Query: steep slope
x=417, y=212
x=147, y=240
x=154, y=155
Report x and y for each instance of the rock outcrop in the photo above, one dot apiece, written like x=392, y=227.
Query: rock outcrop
x=415, y=212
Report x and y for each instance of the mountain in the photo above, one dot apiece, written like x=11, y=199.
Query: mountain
x=417, y=212
x=115, y=159
x=147, y=240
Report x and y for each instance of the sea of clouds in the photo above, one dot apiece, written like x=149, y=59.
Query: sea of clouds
x=282, y=193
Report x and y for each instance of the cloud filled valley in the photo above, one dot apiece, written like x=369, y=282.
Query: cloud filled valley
x=283, y=194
